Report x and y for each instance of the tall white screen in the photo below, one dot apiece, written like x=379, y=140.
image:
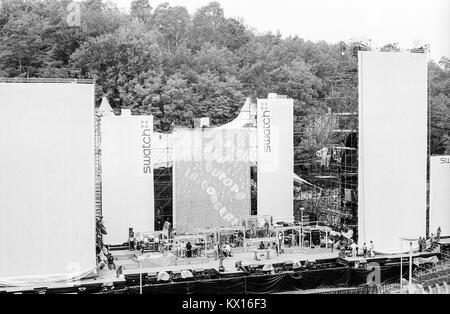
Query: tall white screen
x=211, y=178
x=392, y=148
x=127, y=176
x=275, y=158
x=47, y=213
x=440, y=194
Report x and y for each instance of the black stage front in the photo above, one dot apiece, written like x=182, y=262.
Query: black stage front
x=326, y=273
x=262, y=284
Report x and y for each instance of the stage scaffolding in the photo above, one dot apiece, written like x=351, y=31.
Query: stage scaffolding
x=333, y=196
x=98, y=178
x=163, y=179
x=325, y=201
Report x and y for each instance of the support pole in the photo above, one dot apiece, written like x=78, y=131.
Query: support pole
x=140, y=277
x=410, y=264
x=301, y=236
x=401, y=265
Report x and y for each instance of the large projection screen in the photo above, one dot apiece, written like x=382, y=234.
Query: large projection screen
x=275, y=136
x=440, y=194
x=127, y=176
x=392, y=148
x=211, y=187
x=47, y=199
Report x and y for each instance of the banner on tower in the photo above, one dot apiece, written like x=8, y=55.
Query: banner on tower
x=127, y=176
x=275, y=135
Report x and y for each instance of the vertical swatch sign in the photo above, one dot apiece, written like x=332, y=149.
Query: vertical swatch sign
x=275, y=158
x=127, y=176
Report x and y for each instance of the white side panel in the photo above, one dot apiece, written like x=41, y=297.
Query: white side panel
x=127, y=176
x=392, y=148
x=440, y=194
x=47, y=201
x=275, y=158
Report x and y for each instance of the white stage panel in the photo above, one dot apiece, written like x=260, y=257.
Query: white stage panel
x=440, y=194
x=392, y=148
x=47, y=200
x=127, y=176
x=275, y=136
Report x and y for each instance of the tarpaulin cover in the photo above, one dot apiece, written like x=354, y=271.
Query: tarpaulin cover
x=263, y=284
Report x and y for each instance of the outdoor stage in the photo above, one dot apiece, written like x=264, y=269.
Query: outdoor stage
x=325, y=274
x=326, y=271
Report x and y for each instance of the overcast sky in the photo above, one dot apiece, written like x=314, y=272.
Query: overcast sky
x=382, y=21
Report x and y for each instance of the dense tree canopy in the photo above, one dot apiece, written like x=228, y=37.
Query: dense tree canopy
x=177, y=66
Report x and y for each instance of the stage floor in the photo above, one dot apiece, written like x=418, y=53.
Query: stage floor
x=132, y=267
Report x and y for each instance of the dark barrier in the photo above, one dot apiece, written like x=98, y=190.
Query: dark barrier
x=335, y=277
x=263, y=284
x=218, y=286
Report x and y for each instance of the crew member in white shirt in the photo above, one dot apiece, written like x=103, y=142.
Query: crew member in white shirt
x=354, y=248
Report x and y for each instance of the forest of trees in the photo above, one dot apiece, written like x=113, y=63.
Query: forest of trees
x=176, y=65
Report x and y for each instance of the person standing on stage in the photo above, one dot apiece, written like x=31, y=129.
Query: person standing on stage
x=438, y=234
x=168, y=228
x=280, y=241
x=131, y=239
x=364, y=250
x=188, y=249
x=221, y=257
x=227, y=250
x=176, y=249
x=354, y=248
x=262, y=246
x=372, y=249
x=216, y=251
